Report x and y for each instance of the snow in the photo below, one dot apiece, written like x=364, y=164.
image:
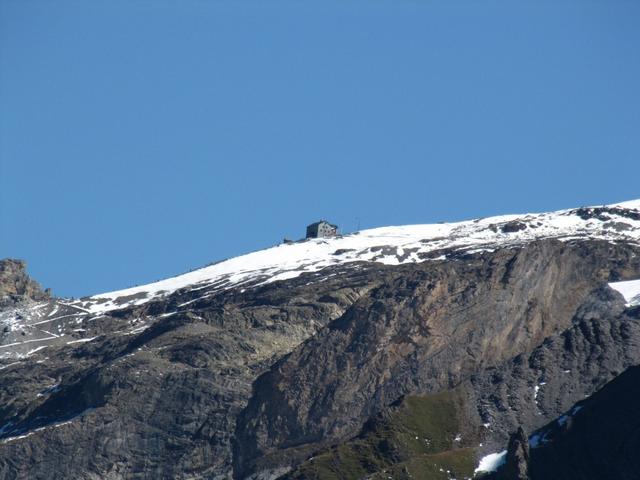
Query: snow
x=53, y=335
x=2, y=367
x=7, y=345
x=81, y=340
x=52, y=389
x=563, y=419
x=536, y=391
x=28, y=434
x=388, y=245
x=630, y=290
x=19, y=437
x=37, y=349
x=537, y=439
x=8, y=427
x=139, y=329
x=491, y=462
x=631, y=204
x=541, y=437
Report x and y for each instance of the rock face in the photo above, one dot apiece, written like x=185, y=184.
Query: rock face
x=15, y=284
x=333, y=368
x=529, y=390
x=155, y=395
x=426, y=330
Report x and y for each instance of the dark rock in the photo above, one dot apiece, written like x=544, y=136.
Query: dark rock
x=511, y=227
x=604, y=213
x=597, y=438
x=516, y=466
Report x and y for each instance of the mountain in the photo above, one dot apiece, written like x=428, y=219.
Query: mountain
x=411, y=352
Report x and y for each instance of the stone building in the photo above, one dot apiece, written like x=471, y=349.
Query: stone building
x=322, y=229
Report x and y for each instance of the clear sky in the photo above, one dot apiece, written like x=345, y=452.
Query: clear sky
x=140, y=139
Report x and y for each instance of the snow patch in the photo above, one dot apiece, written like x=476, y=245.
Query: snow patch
x=81, y=340
x=37, y=349
x=49, y=390
x=563, y=419
x=630, y=290
x=630, y=205
x=491, y=462
x=537, y=439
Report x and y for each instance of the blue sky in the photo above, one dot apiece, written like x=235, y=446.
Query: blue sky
x=139, y=139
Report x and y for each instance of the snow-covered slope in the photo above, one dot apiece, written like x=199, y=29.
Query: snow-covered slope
x=389, y=245
x=30, y=327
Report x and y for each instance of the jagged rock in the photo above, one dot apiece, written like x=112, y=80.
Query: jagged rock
x=16, y=285
x=516, y=466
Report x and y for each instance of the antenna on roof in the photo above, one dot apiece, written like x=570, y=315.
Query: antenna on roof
x=358, y=223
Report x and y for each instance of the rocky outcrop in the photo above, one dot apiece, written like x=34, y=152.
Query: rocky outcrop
x=16, y=285
x=516, y=466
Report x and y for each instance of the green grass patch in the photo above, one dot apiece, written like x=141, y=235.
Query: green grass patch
x=457, y=464
x=414, y=439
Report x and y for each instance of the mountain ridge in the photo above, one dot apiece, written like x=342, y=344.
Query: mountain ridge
x=253, y=376
x=482, y=233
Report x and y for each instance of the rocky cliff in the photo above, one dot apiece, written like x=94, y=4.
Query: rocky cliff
x=407, y=351
x=496, y=324
x=16, y=285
